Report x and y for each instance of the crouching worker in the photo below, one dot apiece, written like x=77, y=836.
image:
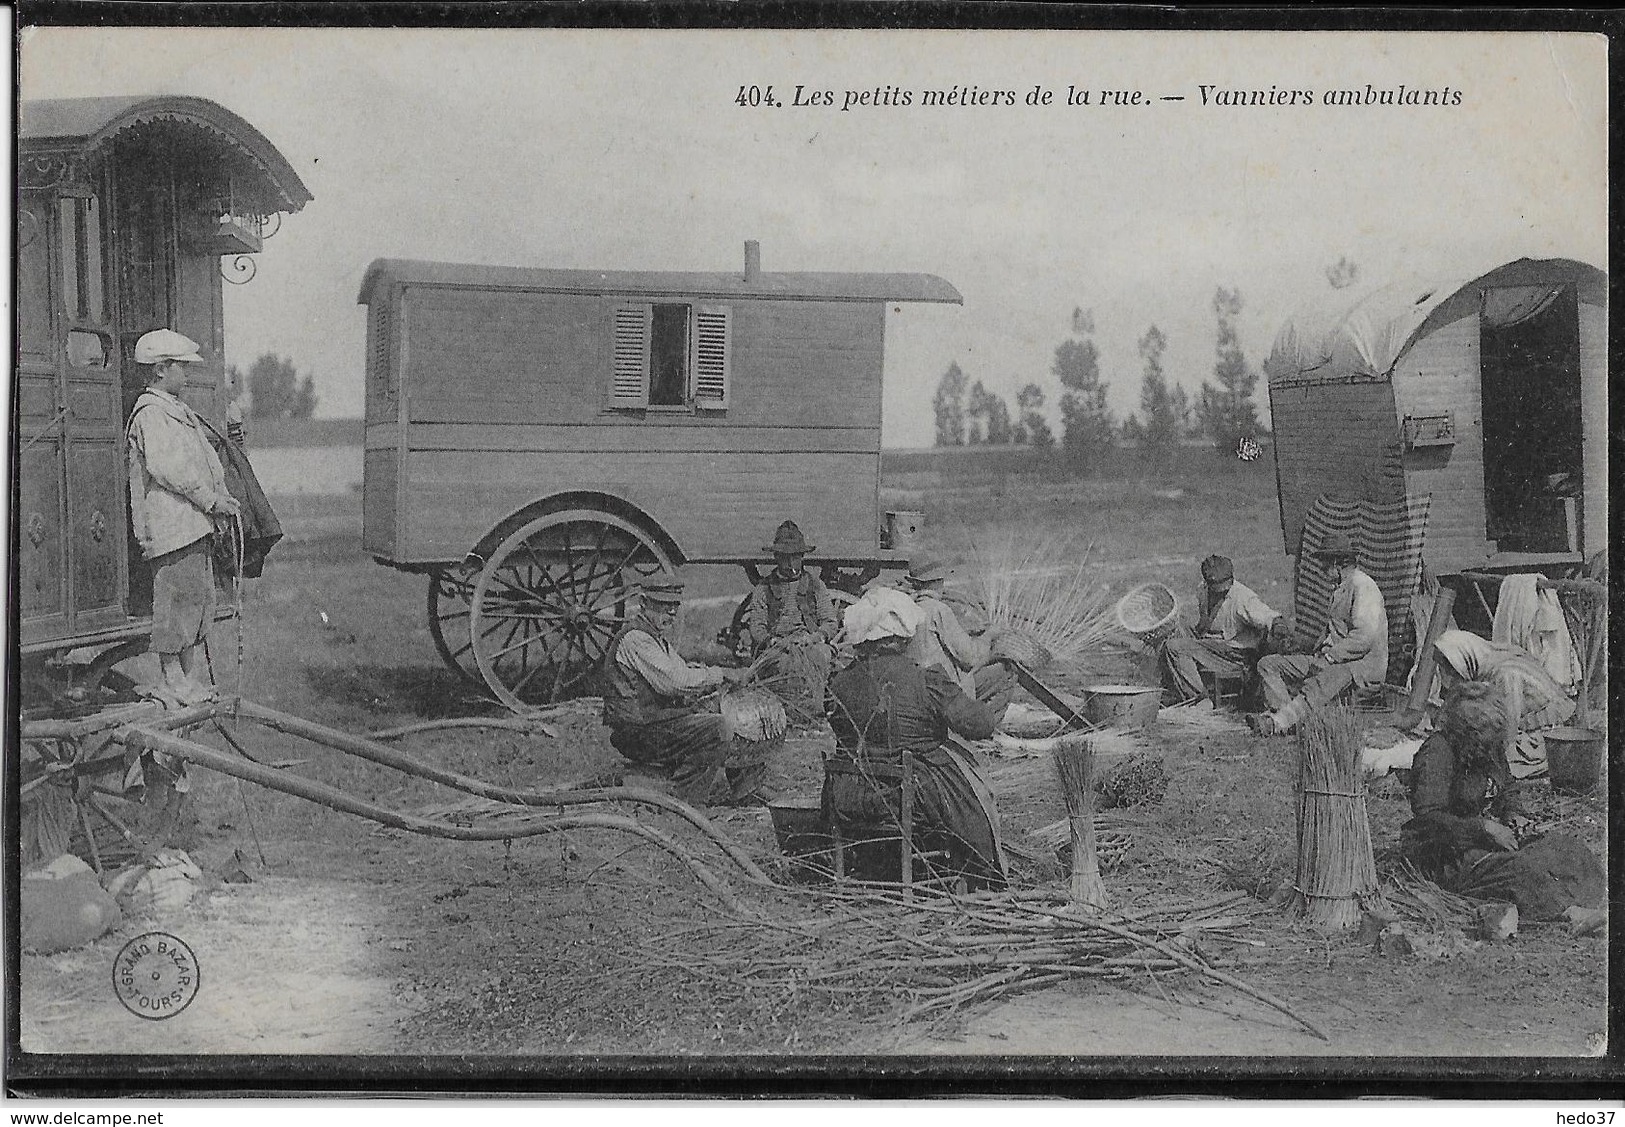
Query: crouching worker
x=1354, y=650
x=792, y=618
x=1465, y=812
x=1533, y=700
x=662, y=713
x=1233, y=627
x=882, y=705
x=942, y=642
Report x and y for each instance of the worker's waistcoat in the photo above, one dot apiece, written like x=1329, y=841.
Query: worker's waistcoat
x=629, y=700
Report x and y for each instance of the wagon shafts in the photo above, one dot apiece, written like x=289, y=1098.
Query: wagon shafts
x=144, y=729
x=145, y=739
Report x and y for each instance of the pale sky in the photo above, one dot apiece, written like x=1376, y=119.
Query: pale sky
x=624, y=150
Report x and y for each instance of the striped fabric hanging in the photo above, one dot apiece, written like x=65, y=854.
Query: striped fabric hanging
x=1390, y=537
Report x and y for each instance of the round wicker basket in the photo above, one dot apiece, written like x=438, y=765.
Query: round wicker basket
x=1017, y=645
x=1149, y=612
x=755, y=716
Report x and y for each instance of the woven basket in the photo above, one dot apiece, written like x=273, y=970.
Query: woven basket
x=1149, y=612
x=754, y=715
x=1017, y=645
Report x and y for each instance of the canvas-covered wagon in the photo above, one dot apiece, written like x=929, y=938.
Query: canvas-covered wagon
x=1458, y=422
x=131, y=213
x=538, y=440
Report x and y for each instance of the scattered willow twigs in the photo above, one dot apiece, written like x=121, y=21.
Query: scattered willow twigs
x=935, y=955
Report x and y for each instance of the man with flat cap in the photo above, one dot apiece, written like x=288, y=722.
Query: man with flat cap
x=1353, y=651
x=792, y=617
x=1233, y=627
x=943, y=642
x=662, y=712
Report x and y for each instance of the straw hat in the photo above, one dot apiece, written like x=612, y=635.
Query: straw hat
x=788, y=541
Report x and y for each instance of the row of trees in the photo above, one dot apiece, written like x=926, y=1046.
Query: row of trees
x=975, y=416
x=1225, y=410
x=275, y=389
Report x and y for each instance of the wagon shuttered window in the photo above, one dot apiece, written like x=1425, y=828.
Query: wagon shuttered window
x=669, y=355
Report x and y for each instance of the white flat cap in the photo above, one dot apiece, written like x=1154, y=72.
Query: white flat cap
x=166, y=344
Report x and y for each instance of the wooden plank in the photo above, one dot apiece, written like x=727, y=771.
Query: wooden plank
x=457, y=497
x=507, y=357
x=380, y=475
x=656, y=434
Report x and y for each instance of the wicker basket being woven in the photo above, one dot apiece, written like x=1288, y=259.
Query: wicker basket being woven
x=1018, y=645
x=1149, y=612
x=754, y=715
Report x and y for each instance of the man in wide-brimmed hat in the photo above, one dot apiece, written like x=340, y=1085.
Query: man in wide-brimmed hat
x=1233, y=627
x=943, y=642
x=792, y=615
x=1353, y=651
x=885, y=705
x=662, y=711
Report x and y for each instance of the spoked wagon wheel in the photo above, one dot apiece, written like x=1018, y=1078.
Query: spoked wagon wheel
x=553, y=595
x=451, y=590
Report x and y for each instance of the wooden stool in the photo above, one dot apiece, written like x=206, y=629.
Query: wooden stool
x=1223, y=687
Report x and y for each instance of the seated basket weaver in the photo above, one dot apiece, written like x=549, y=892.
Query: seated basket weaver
x=884, y=706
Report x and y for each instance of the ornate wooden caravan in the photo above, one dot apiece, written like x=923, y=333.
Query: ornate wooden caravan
x=1488, y=392
x=538, y=439
x=131, y=212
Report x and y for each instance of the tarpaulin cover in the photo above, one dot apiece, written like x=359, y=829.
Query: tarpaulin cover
x=1362, y=331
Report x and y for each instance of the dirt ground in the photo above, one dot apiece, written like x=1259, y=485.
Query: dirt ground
x=353, y=939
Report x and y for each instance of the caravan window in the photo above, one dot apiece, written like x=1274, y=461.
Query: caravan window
x=667, y=355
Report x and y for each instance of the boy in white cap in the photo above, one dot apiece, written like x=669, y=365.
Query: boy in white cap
x=177, y=491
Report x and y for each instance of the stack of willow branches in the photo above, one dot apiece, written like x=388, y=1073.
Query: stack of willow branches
x=928, y=957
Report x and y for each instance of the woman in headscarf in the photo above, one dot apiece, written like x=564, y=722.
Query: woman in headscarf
x=883, y=705
x=1533, y=700
x=1465, y=808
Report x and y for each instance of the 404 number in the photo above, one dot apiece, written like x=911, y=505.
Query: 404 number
x=755, y=96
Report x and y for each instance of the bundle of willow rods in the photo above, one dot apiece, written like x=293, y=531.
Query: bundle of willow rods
x=1041, y=589
x=929, y=957
x=1074, y=762
x=1337, y=874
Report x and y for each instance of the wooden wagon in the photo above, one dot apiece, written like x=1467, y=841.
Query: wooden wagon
x=131, y=215
x=1488, y=391
x=539, y=440
x=1478, y=399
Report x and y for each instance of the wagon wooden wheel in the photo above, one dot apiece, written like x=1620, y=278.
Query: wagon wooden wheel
x=451, y=590
x=552, y=596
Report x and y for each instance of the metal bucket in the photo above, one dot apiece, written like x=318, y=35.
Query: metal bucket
x=1121, y=706
x=804, y=838
x=1574, y=758
x=904, y=530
